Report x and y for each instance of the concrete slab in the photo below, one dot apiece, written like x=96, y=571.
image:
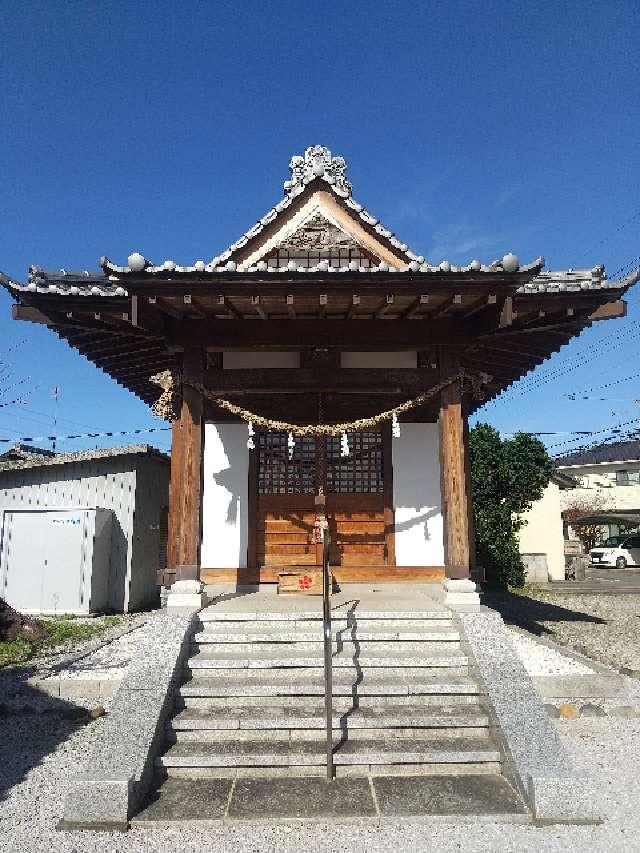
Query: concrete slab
x=388, y=597
x=484, y=794
x=185, y=799
x=261, y=799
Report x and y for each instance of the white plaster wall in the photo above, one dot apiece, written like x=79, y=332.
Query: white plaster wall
x=600, y=488
x=542, y=533
x=224, y=496
x=416, y=496
x=240, y=359
x=379, y=359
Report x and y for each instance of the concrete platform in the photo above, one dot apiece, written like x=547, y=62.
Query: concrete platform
x=385, y=598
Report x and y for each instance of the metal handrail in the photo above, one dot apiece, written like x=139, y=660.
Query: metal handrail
x=328, y=660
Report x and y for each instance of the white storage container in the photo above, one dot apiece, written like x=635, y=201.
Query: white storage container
x=55, y=560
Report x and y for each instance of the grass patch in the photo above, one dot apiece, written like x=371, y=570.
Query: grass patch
x=61, y=631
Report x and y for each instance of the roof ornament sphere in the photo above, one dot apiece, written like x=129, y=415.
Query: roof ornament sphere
x=169, y=266
x=475, y=265
x=199, y=266
x=510, y=263
x=136, y=262
x=445, y=266
x=317, y=162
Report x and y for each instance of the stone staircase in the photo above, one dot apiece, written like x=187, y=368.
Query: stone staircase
x=252, y=700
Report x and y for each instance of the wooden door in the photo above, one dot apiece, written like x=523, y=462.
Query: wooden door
x=358, y=500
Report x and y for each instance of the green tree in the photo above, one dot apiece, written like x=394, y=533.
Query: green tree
x=507, y=476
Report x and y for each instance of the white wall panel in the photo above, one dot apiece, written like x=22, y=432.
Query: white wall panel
x=416, y=496
x=224, y=497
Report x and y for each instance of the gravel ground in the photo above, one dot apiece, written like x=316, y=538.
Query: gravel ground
x=538, y=659
x=39, y=752
x=606, y=628
x=109, y=661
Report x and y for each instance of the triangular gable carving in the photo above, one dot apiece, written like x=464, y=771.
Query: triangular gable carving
x=318, y=234
x=315, y=205
x=318, y=187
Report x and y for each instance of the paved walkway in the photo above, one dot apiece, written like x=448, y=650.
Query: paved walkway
x=609, y=581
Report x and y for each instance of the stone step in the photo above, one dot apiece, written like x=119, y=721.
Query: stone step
x=315, y=649
x=344, y=635
x=294, y=657
x=308, y=682
x=215, y=613
x=341, y=704
x=403, y=736
x=342, y=771
x=384, y=750
x=289, y=716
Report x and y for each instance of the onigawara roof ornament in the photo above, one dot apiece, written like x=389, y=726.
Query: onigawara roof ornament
x=317, y=162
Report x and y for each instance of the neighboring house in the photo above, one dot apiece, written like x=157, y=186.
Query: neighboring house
x=542, y=536
x=602, y=480
x=608, y=478
x=131, y=482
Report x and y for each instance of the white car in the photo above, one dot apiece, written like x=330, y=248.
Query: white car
x=618, y=551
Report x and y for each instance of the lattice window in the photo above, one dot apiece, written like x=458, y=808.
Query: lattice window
x=279, y=475
x=311, y=257
x=362, y=470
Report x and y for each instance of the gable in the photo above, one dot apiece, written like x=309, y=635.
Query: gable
x=318, y=215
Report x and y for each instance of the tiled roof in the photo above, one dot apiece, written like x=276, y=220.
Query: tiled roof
x=317, y=167
x=620, y=451
x=83, y=456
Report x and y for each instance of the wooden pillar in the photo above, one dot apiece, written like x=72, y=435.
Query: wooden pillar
x=453, y=472
x=185, y=499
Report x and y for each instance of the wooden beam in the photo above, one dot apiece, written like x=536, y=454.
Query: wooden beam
x=355, y=301
x=386, y=306
x=453, y=473
x=229, y=307
x=317, y=379
x=291, y=311
x=418, y=303
x=283, y=334
x=174, y=521
x=506, y=312
x=447, y=305
x=189, y=499
x=342, y=574
x=323, y=299
x=255, y=301
x=31, y=315
x=609, y=311
x=480, y=305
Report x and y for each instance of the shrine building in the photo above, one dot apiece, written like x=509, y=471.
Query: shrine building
x=318, y=353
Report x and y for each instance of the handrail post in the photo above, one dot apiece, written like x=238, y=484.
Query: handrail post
x=328, y=662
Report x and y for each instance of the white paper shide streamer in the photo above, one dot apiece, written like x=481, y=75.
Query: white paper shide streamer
x=344, y=444
x=395, y=426
x=250, y=442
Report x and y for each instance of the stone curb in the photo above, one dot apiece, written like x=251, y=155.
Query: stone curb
x=535, y=758
x=119, y=772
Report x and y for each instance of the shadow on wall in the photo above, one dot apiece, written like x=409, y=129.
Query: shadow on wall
x=120, y=559
x=226, y=446
x=416, y=496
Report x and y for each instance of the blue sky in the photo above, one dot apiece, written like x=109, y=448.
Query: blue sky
x=470, y=128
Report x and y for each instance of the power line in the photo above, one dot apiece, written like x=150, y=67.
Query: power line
x=104, y=434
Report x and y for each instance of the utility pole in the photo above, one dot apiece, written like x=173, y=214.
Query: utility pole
x=55, y=393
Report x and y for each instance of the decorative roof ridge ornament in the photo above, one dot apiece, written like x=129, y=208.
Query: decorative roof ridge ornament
x=317, y=162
